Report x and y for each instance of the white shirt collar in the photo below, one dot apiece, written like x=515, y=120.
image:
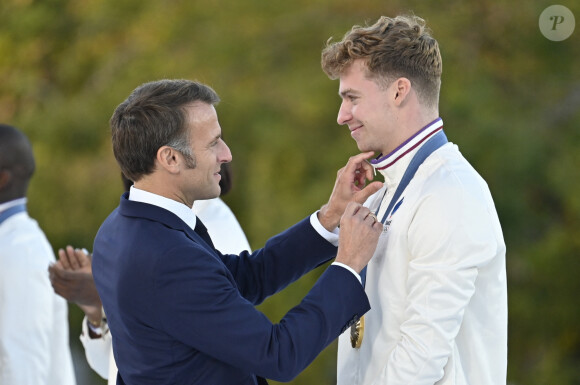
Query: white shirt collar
x=6, y=205
x=181, y=210
x=394, y=164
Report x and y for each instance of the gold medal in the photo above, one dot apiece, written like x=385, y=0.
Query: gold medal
x=357, y=330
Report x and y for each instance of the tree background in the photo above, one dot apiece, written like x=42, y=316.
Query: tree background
x=510, y=99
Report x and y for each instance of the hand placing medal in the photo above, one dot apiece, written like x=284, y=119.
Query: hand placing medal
x=359, y=227
x=350, y=186
x=357, y=330
x=359, y=235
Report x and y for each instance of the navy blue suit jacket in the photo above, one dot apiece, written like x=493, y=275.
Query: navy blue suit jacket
x=180, y=312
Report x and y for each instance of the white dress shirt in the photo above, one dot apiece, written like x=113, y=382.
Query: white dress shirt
x=437, y=281
x=34, y=344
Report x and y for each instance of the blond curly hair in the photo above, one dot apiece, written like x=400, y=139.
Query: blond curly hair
x=391, y=48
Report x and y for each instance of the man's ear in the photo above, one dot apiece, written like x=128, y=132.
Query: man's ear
x=5, y=178
x=402, y=90
x=168, y=159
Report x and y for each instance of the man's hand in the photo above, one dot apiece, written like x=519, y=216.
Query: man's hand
x=71, y=278
x=349, y=186
x=359, y=236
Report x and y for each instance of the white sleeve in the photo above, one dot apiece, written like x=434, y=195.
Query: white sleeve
x=26, y=315
x=97, y=350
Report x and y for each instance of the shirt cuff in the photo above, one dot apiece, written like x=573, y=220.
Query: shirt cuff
x=357, y=275
x=94, y=332
x=330, y=236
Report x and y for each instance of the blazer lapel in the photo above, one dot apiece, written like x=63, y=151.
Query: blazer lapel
x=144, y=210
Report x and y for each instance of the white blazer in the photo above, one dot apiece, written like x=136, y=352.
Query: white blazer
x=436, y=284
x=34, y=343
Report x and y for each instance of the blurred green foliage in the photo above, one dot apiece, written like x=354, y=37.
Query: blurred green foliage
x=510, y=99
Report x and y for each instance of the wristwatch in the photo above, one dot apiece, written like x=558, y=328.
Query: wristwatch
x=97, y=329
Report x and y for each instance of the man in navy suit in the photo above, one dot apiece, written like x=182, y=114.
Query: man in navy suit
x=181, y=312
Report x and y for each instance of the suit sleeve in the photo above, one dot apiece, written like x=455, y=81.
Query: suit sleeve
x=285, y=258
x=215, y=319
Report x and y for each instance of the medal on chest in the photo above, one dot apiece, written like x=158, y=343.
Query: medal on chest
x=357, y=331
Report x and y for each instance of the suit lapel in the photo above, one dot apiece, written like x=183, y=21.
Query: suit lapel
x=167, y=218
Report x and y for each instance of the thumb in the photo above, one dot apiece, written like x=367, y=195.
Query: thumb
x=362, y=195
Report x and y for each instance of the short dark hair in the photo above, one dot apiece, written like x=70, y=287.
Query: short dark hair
x=16, y=158
x=154, y=116
x=391, y=48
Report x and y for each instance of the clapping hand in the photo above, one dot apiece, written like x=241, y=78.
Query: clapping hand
x=71, y=277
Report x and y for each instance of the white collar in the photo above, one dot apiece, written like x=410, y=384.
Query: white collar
x=6, y=205
x=393, y=165
x=181, y=210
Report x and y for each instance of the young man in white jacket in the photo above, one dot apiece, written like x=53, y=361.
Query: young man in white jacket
x=437, y=281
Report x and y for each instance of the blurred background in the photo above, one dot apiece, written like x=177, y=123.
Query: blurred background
x=510, y=99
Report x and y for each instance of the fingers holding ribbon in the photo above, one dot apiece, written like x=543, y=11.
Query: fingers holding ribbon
x=349, y=186
x=359, y=235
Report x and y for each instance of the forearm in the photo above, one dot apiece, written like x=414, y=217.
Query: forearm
x=285, y=258
x=331, y=307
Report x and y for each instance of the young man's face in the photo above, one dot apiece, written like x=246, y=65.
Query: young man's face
x=209, y=150
x=367, y=110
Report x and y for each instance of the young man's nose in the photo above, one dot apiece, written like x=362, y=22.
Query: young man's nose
x=344, y=114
